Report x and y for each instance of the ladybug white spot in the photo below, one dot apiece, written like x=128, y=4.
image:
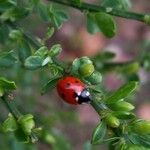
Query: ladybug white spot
x=87, y=93
x=79, y=93
x=77, y=99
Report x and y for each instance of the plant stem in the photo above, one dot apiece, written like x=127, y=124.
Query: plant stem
x=9, y=103
x=109, y=10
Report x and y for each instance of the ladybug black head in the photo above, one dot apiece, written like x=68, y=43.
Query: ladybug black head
x=83, y=97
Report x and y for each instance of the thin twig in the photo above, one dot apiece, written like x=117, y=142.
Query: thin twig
x=109, y=10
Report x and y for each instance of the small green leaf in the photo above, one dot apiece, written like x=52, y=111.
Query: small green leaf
x=77, y=2
x=24, y=50
x=106, y=24
x=7, y=59
x=122, y=92
x=58, y=18
x=121, y=106
x=123, y=115
x=91, y=24
x=42, y=10
x=33, y=62
x=9, y=124
x=99, y=133
x=26, y=123
x=21, y=136
x=50, y=84
x=95, y=78
x=117, y=4
x=143, y=140
x=42, y=51
x=50, y=32
x=15, y=34
x=55, y=50
x=6, y=84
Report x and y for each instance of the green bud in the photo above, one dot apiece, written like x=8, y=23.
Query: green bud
x=121, y=106
x=85, y=60
x=55, y=50
x=1, y=91
x=15, y=34
x=86, y=70
x=141, y=127
x=94, y=78
x=147, y=19
x=131, y=68
x=112, y=121
x=27, y=123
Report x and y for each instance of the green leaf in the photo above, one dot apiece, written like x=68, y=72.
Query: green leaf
x=49, y=32
x=33, y=62
x=99, y=133
x=87, y=146
x=27, y=123
x=103, y=56
x=117, y=4
x=91, y=24
x=6, y=4
x=55, y=50
x=57, y=17
x=6, y=84
x=7, y=59
x=9, y=124
x=21, y=136
x=76, y=2
x=42, y=9
x=123, y=115
x=50, y=84
x=106, y=24
x=24, y=50
x=122, y=92
x=139, y=139
x=42, y=51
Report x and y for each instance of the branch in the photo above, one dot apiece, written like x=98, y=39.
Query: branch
x=109, y=10
x=9, y=104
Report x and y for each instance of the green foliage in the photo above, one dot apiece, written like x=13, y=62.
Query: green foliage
x=122, y=92
x=118, y=4
x=99, y=133
x=21, y=51
x=101, y=22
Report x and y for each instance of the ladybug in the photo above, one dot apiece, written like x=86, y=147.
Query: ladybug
x=73, y=91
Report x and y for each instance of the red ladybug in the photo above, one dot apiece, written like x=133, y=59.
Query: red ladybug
x=73, y=91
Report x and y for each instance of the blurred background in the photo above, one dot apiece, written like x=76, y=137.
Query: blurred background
x=70, y=127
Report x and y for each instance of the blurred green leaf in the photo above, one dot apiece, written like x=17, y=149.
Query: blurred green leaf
x=24, y=50
x=50, y=84
x=26, y=123
x=139, y=139
x=118, y=4
x=42, y=51
x=87, y=146
x=6, y=84
x=106, y=24
x=58, y=18
x=122, y=92
x=42, y=9
x=7, y=59
x=55, y=50
x=9, y=124
x=124, y=115
x=21, y=136
x=99, y=133
x=33, y=62
x=91, y=24
x=6, y=4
